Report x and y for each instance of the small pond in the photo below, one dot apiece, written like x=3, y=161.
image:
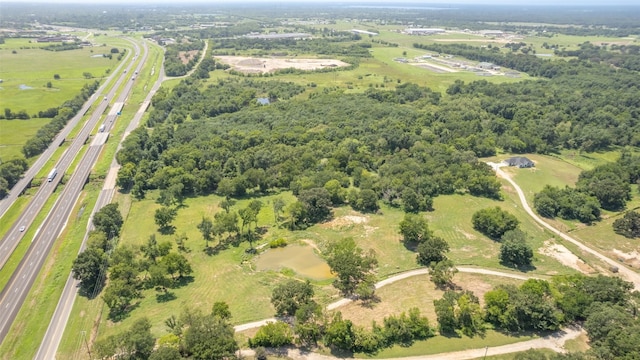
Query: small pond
x=300, y=259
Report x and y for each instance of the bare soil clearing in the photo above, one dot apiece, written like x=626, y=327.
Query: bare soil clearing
x=565, y=257
x=266, y=65
x=185, y=56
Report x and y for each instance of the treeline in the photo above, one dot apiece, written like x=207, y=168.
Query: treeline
x=623, y=56
x=131, y=270
x=173, y=64
x=335, y=46
x=606, y=186
x=603, y=304
x=45, y=134
x=10, y=173
x=529, y=64
x=383, y=147
x=62, y=47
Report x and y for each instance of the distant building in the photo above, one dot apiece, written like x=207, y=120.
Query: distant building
x=423, y=31
x=486, y=66
x=491, y=32
x=263, y=101
x=520, y=161
x=364, y=32
x=275, y=36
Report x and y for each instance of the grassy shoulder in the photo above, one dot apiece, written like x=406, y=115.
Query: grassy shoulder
x=28, y=329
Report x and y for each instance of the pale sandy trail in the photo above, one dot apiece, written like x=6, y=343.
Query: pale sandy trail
x=625, y=272
x=391, y=280
x=553, y=341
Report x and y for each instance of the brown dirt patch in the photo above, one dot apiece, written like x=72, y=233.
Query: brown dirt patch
x=631, y=258
x=185, y=56
x=565, y=257
x=345, y=221
x=266, y=65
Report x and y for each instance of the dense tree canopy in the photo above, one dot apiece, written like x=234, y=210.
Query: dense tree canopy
x=494, y=222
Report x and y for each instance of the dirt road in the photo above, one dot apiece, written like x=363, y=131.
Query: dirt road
x=625, y=272
x=554, y=342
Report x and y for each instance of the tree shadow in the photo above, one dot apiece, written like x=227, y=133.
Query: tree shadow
x=167, y=230
x=165, y=296
x=119, y=314
x=340, y=353
x=214, y=250
x=182, y=281
x=371, y=302
x=522, y=268
x=93, y=292
x=410, y=245
x=451, y=335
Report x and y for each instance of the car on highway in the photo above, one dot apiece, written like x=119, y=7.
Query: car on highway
x=22, y=228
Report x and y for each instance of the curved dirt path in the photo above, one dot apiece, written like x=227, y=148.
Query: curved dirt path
x=391, y=280
x=628, y=274
x=553, y=341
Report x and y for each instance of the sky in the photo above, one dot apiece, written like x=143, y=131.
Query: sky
x=422, y=3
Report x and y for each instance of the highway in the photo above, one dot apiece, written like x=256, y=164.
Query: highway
x=13, y=295
x=28, y=176
x=12, y=238
x=55, y=330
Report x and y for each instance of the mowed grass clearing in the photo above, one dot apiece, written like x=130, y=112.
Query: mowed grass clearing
x=15, y=133
x=416, y=292
x=231, y=277
x=25, y=75
x=33, y=68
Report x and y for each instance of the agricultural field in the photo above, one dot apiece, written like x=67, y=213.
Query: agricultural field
x=29, y=83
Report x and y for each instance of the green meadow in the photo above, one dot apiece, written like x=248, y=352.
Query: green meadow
x=28, y=83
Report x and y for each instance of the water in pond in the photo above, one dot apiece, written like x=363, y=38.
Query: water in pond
x=300, y=259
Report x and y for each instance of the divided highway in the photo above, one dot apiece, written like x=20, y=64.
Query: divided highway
x=13, y=295
x=12, y=238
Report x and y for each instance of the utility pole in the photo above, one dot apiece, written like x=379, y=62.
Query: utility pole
x=84, y=337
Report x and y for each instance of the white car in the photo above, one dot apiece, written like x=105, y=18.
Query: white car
x=22, y=228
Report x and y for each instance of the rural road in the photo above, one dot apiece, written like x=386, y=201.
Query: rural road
x=553, y=341
x=625, y=272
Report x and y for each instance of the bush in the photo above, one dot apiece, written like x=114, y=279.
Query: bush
x=277, y=243
x=272, y=335
x=629, y=225
x=494, y=222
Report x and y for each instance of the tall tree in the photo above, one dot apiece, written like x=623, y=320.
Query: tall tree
x=206, y=229
x=164, y=216
x=514, y=250
x=289, y=296
x=88, y=268
x=352, y=266
x=108, y=220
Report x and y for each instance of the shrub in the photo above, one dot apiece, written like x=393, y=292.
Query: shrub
x=277, y=243
x=272, y=335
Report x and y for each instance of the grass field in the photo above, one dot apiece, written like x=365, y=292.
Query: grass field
x=45, y=294
x=419, y=292
x=15, y=133
x=25, y=75
x=513, y=356
x=441, y=344
x=230, y=275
